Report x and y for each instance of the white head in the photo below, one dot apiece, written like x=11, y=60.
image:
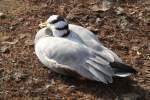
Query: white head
x=58, y=25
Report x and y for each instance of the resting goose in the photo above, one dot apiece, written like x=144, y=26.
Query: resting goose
x=72, y=50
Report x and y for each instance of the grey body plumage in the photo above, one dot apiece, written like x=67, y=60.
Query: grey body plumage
x=78, y=51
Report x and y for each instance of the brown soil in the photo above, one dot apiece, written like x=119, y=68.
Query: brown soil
x=124, y=27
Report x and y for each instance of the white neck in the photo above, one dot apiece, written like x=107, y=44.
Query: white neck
x=59, y=33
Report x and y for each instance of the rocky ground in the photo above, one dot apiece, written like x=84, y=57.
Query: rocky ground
x=121, y=25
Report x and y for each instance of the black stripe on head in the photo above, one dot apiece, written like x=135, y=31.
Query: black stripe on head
x=62, y=28
x=59, y=18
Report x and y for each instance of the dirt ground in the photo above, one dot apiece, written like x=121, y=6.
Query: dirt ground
x=121, y=25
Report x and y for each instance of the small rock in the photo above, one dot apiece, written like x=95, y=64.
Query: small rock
x=106, y=5
x=20, y=19
x=18, y=76
x=47, y=86
x=91, y=28
x=98, y=20
x=72, y=88
x=29, y=42
x=135, y=48
x=4, y=49
x=146, y=56
x=22, y=36
x=26, y=24
x=53, y=82
x=12, y=27
x=2, y=15
x=95, y=8
x=138, y=53
x=140, y=15
x=35, y=80
x=119, y=10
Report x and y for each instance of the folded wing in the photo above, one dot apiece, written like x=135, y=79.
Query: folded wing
x=58, y=53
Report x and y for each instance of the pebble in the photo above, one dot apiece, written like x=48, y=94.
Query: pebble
x=53, y=82
x=98, y=20
x=135, y=48
x=18, y=76
x=2, y=15
x=119, y=10
x=29, y=42
x=95, y=8
x=93, y=29
x=22, y=36
x=47, y=86
x=4, y=49
x=106, y=5
x=72, y=88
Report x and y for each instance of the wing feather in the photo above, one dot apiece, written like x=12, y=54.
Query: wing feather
x=90, y=39
x=71, y=55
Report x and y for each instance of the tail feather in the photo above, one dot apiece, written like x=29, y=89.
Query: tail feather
x=102, y=68
x=100, y=75
x=122, y=70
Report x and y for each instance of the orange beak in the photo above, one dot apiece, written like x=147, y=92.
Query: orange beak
x=41, y=25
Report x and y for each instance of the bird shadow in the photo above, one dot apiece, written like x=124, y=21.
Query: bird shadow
x=120, y=88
